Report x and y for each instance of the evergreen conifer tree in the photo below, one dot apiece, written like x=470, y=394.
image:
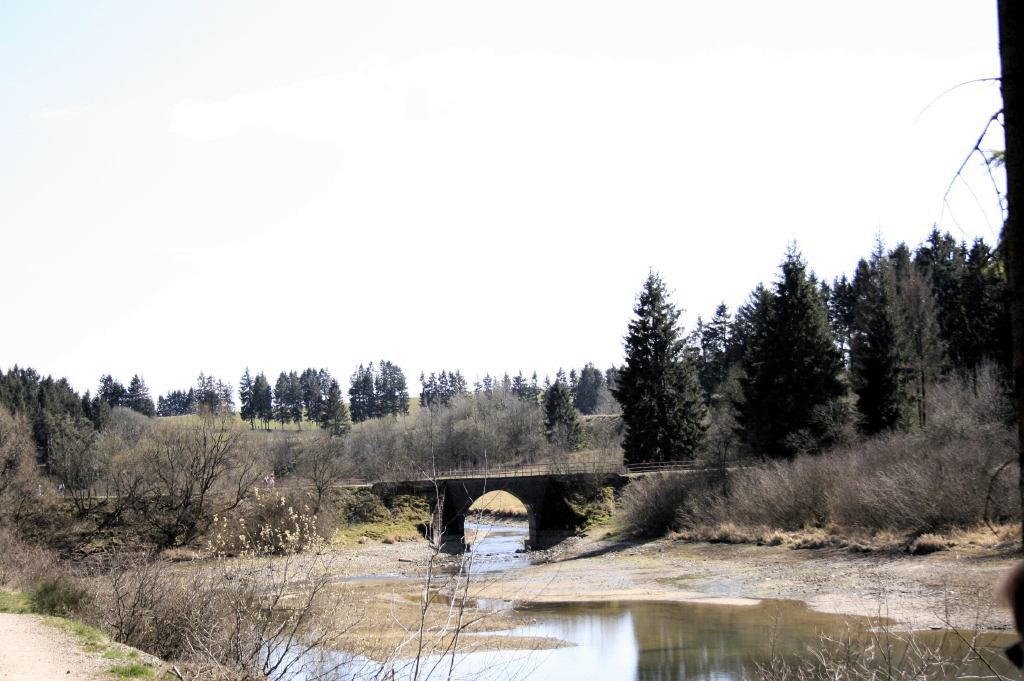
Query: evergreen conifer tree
x=294, y=398
x=792, y=366
x=927, y=351
x=588, y=389
x=282, y=399
x=112, y=392
x=880, y=368
x=560, y=421
x=390, y=391
x=225, y=397
x=334, y=417
x=312, y=393
x=713, y=359
x=361, y=396
x=262, y=400
x=658, y=389
x=247, y=409
x=138, y=398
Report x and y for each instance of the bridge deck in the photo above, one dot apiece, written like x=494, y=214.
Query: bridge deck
x=572, y=468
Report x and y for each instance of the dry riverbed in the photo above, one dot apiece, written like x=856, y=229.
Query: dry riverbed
x=955, y=587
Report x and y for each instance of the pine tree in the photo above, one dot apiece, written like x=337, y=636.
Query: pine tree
x=334, y=416
x=661, y=404
x=560, y=421
x=247, y=409
x=518, y=386
x=361, y=394
x=293, y=396
x=138, y=397
x=312, y=393
x=880, y=368
x=111, y=391
x=208, y=397
x=841, y=305
x=282, y=399
x=225, y=397
x=713, y=359
x=588, y=389
x=390, y=390
x=791, y=365
x=533, y=390
x=985, y=300
x=927, y=351
x=262, y=400
x=611, y=377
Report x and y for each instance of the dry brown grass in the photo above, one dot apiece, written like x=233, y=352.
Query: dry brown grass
x=499, y=503
x=922, y=490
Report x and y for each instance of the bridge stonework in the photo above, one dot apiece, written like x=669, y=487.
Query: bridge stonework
x=552, y=502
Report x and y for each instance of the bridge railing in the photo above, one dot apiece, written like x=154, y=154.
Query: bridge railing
x=585, y=467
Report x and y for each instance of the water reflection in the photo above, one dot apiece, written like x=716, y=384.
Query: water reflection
x=644, y=641
x=651, y=641
x=656, y=641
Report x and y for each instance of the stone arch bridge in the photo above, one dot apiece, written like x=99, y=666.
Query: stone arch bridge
x=553, y=496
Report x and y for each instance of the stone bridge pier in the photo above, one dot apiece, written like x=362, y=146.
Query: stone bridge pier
x=555, y=504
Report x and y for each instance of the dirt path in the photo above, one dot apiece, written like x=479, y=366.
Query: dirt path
x=31, y=650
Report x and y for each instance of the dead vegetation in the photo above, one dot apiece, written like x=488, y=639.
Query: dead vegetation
x=951, y=482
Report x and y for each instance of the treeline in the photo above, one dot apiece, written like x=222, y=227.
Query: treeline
x=209, y=394
x=588, y=388
x=50, y=406
x=313, y=395
x=804, y=364
x=378, y=391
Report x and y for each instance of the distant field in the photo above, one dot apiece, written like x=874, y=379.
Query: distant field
x=499, y=503
x=274, y=425
x=305, y=426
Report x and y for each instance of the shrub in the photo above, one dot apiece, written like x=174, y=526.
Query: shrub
x=956, y=472
x=59, y=596
x=650, y=505
x=363, y=506
x=22, y=563
x=268, y=523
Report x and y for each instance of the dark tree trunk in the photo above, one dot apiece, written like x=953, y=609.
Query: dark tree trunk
x=1011, y=26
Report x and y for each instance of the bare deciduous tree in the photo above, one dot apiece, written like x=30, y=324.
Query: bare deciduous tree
x=194, y=473
x=322, y=462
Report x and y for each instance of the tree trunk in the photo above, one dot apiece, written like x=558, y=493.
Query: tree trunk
x=1011, y=26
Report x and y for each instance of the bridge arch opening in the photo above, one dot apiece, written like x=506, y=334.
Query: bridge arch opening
x=497, y=523
x=500, y=503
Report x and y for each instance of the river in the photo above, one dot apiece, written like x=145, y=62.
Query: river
x=665, y=641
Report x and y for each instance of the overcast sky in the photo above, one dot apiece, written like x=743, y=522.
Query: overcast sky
x=205, y=186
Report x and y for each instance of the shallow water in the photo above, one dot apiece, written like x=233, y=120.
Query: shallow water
x=659, y=641
x=496, y=548
x=668, y=641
